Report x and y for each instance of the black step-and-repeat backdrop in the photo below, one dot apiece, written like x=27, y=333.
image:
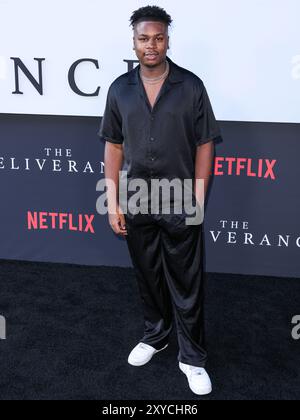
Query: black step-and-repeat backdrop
x=50, y=166
x=53, y=90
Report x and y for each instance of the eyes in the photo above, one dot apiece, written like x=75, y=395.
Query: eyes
x=159, y=39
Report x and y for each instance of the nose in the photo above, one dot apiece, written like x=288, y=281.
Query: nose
x=151, y=42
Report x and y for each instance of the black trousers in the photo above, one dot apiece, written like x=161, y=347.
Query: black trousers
x=167, y=256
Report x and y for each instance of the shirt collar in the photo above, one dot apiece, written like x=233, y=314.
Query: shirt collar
x=175, y=75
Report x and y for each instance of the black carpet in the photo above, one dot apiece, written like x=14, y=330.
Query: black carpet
x=70, y=329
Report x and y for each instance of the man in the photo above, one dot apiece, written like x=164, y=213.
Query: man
x=158, y=124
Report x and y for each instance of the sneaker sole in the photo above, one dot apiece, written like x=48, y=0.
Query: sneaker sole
x=145, y=362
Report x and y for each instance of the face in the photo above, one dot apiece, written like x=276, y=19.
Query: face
x=151, y=42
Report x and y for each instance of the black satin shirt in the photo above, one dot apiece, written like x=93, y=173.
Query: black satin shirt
x=159, y=142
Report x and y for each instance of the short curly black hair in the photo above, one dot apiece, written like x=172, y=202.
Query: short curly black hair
x=154, y=13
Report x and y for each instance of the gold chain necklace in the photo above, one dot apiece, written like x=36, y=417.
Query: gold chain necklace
x=155, y=80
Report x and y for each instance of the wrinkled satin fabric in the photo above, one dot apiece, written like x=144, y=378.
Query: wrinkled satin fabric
x=167, y=256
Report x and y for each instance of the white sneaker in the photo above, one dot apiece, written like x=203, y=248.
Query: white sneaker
x=198, y=379
x=142, y=354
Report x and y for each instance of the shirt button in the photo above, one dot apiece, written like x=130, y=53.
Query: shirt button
x=152, y=158
x=152, y=138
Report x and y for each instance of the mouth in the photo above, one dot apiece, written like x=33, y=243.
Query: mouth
x=151, y=56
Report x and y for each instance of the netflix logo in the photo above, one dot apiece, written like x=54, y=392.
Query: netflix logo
x=256, y=168
x=60, y=221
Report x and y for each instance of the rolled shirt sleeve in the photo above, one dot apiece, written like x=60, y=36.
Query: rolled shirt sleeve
x=205, y=124
x=111, y=123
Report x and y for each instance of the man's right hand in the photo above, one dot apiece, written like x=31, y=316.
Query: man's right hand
x=117, y=222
